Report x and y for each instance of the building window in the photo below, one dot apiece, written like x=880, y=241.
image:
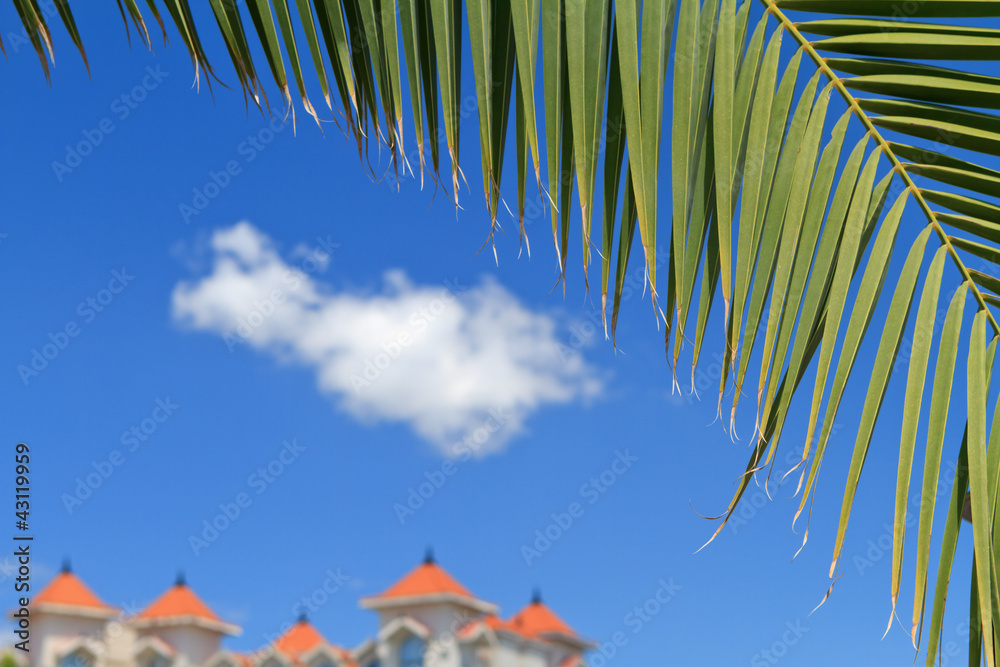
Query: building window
x=412, y=653
x=75, y=659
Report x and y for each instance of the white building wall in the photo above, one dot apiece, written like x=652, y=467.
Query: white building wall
x=518, y=654
x=194, y=645
x=116, y=644
x=53, y=633
x=119, y=646
x=443, y=619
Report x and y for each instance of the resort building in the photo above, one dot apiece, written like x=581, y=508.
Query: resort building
x=426, y=619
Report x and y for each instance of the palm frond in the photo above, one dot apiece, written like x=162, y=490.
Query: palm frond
x=792, y=220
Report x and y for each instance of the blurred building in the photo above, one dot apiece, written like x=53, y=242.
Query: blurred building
x=426, y=619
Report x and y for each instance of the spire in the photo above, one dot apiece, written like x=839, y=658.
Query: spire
x=180, y=581
x=66, y=567
x=181, y=606
x=429, y=556
x=299, y=639
x=427, y=582
x=68, y=590
x=536, y=596
x=537, y=619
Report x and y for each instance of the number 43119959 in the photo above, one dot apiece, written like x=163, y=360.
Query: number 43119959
x=21, y=480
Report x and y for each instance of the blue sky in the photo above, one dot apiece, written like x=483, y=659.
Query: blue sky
x=367, y=256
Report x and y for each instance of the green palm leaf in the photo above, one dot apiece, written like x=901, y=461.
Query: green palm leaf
x=768, y=209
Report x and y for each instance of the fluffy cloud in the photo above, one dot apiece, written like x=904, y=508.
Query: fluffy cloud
x=440, y=358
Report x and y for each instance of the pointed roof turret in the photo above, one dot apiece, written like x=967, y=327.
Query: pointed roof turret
x=67, y=594
x=299, y=638
x=428, y=582
x=180, y=605
x=303, y=638
x=536, y=619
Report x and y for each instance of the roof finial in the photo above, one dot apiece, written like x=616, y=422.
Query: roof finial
x=429, y=556
x=66, y=567
x=180, y=581
x=303, y=617
x=536, y=596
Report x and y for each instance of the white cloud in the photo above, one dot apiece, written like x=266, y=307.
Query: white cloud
x=436, y=357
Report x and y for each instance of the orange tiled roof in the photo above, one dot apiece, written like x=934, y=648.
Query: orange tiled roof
x=179, y=600
x=428, y=578
x=537, y=619
x=493, y=622
x=303, y=637
x=244, y=659
x=497, y=623
x=163, y=645
x=68, y=589
x=300, y=638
